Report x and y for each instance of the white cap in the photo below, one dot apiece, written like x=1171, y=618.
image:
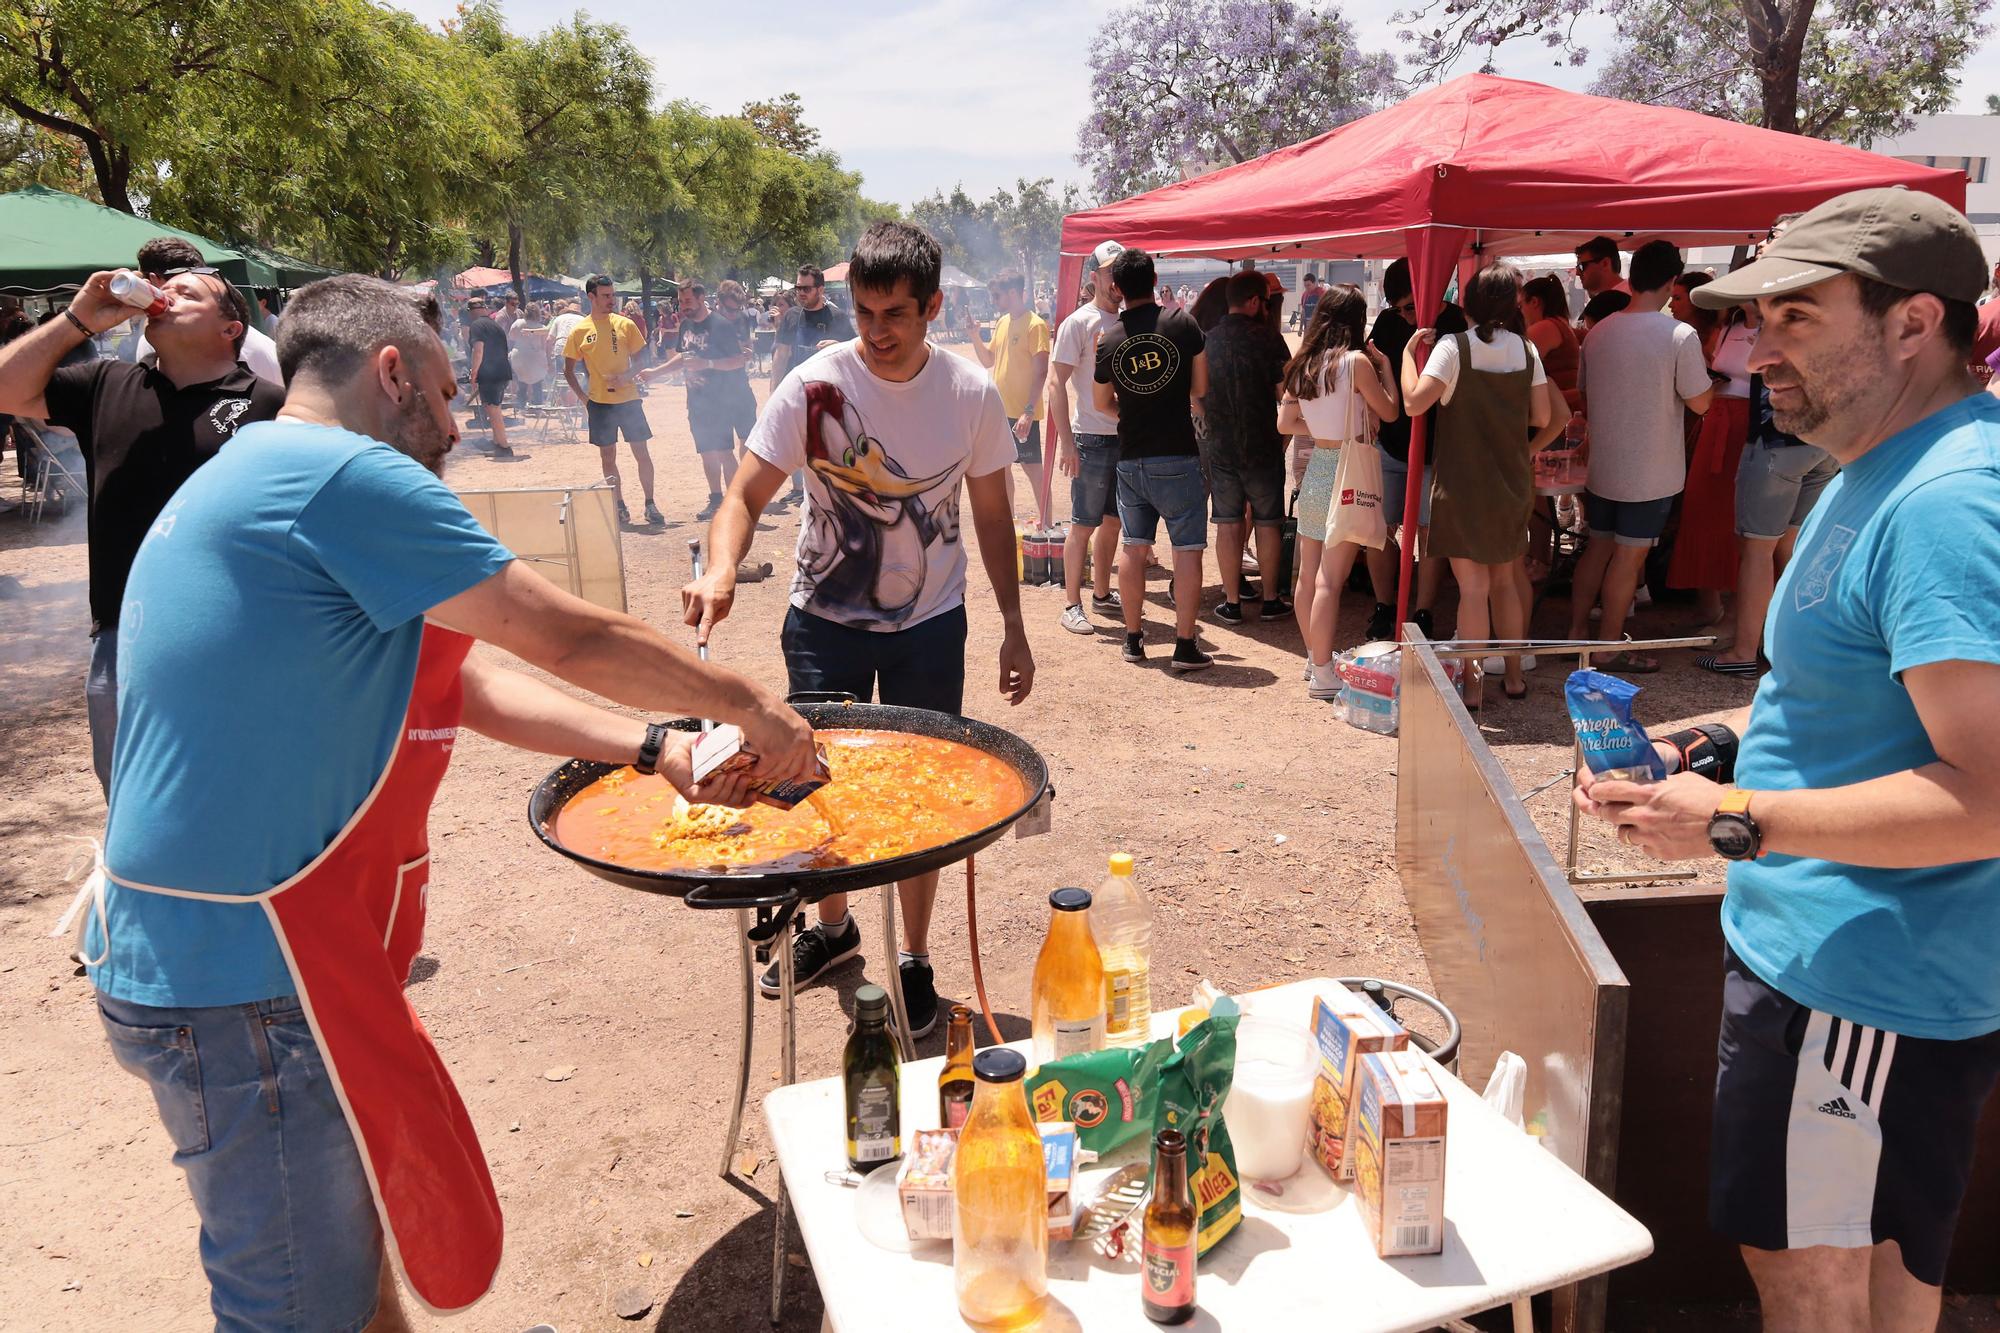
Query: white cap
x=1102, y=256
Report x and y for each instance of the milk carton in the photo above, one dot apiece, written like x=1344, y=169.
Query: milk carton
x=1397, y=1150
x=1346, y=1026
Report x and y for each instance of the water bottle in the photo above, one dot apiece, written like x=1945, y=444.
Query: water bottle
x=1122, y=921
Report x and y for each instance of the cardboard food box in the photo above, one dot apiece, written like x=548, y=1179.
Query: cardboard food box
x=924, y=1181
x=1346, y=1026
x=1398, y=1153
x=721, y=749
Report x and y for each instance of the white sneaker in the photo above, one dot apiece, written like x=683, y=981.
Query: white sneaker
x=1494, y=666
x=1076, y=622
x=1322, y=682
x=1643, y=597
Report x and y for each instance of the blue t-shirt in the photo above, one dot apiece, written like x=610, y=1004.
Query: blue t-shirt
x=1898, y=567
x=266, y=651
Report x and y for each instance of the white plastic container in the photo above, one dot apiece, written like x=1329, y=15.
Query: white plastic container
x=1269, y=1107
x=1122, y=921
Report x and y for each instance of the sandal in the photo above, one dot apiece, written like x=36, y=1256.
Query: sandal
x=1517, y=696
x=1629, y=662
x=1741, y=670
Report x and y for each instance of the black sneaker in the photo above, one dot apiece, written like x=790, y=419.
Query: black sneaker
x=1107, y=605
x=1423, y=622
x=814, y=955
x=1382, y=624
x=707, y=511
x=1278, y=610
x=1135, y=648
x=1251, y=593
x=1188, y=656
x=1229, y=613
x=919, y=997
x=624, y=514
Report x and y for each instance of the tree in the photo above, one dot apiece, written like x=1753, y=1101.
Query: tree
x=782, y=124
x=1993, y=104
x=1839, y=69
x=1179, y=86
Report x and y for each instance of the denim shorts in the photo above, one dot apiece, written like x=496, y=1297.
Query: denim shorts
x=1028, y=452
x=1626, y=522
x=289, y=1237
x=1151, y=489
x=607, y=419
x=1777, y=486
x=1395, y=485
x=919, y=667
x=1093, y=491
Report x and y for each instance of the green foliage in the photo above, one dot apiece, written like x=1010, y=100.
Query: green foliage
x=1019, y=228
x=781, y=123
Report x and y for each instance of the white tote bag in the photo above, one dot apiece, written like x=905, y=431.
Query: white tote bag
x=1356, y=512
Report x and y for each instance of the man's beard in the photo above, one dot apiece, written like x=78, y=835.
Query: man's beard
x=417, y=434
x=1826, y=386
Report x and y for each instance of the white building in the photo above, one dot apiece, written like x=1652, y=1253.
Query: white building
x=1969, y=144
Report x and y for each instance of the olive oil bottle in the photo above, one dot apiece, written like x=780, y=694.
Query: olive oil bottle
x=872, y=1085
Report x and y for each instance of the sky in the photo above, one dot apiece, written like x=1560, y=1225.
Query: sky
x=922, y=96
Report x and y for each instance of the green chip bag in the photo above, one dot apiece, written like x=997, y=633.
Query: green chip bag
x=1109, y=1095
x=1193, y=1084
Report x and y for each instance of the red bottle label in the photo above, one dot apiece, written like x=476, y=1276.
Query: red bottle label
x=1169, y=1273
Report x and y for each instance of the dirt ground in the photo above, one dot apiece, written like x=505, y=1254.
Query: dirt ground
x=1262, y=824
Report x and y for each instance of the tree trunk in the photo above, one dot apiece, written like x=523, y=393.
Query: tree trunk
x=1776, y=35
x=514, y=261
x=483, y=254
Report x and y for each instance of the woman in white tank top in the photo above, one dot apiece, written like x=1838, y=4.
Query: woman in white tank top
x=1336, y=388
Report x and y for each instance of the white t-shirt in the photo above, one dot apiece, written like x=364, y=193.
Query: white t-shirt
x=880, y=548
x=559, y=331
x=1637, y=368
x=259, y=353
x=1339, y=415
x=1732, y=358
x=1076, y=347
x=1508, y=352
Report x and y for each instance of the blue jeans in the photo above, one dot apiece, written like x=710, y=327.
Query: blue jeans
x=100, y=702
x=1151, y=489
x=919, y=667
x=289, y=1237
x=1093, y=491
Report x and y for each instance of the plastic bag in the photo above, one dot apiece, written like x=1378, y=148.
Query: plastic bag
x=1614, y=746
x=1507, y=1090
x=1194, y=1082
x=1111, y=1096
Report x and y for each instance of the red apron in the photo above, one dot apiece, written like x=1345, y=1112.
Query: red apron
x=350, y=925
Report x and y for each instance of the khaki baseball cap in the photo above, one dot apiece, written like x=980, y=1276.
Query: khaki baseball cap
x=1102, y=256
x=1904, y=238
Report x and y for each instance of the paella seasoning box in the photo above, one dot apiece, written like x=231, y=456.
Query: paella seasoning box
x=1346, y=1026
x=722, y=748
x=923, y=1182
x=1398, y=1151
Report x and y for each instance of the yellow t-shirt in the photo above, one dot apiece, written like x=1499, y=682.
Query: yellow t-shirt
x=606, y=350
x=1017, y=341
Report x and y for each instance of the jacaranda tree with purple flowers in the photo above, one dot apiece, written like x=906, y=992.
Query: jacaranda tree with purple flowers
x=1834, y=69
x=1181, y=86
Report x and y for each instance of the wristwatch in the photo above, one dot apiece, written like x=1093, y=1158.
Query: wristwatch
x=649, y=749
x=1731, y=831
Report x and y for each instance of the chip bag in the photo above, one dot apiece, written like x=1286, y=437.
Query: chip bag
x=1109, y=1095
x=1193, y=1085
x=1614, y=746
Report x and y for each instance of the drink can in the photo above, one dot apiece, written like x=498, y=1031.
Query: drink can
x=133, y=290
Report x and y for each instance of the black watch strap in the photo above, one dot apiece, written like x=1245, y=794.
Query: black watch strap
x=649, y=751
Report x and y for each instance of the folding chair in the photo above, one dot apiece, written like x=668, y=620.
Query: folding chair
x=49, y=472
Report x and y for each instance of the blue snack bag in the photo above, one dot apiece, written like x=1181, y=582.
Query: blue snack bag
x=1614, y=746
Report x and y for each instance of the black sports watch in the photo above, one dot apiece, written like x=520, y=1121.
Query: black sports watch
x=649, y=750
x=1732, y=832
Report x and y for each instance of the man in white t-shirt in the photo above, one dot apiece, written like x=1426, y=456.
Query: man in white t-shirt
x=1087, y=446
x=887, y=428
x=1639, y=368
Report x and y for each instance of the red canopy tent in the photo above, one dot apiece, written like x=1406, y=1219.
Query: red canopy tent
x=1500, y=166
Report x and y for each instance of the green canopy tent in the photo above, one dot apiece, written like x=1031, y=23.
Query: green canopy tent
x=291, y=271
x=51, y=241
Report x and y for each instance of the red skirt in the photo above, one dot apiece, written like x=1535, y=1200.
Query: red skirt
x=1705, y=551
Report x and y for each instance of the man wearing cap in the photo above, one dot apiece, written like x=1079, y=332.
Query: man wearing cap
x=1087, y=446
x=1861, y=807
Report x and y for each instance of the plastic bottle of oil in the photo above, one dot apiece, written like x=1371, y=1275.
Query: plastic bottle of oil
x=1000, y=1225
x=1066, y=1005
x=1122, y=921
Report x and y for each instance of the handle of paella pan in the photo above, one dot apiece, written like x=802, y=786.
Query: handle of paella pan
x=701, y=649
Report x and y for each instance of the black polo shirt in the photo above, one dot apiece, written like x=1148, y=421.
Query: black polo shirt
x=142, y=437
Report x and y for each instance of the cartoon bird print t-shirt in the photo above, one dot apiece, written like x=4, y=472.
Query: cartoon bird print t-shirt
x=880, y=547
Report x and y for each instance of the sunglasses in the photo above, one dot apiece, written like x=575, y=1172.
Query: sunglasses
x=810, y=286
x=199, y=270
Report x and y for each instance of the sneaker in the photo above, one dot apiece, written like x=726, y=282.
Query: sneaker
x=653, y=514
x=1493, y=666
x=1251, y=593
x=1188, y=656
x=1322, y=682
x=1382, y=622
x=1135, y=648
x=1107, y=605
x=920, y=998
x=1423, y=622
x=814, y=954
x=1278, y=610
x=1229, y=613
x=1076, y=622
x=707, y=511
x=624, y=514
x=503, y=451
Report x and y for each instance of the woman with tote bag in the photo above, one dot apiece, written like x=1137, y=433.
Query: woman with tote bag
x=1335, y=389
x=1488, y=387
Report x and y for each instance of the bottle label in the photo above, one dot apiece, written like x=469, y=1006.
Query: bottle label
x=1076, y=1036
x=1118, y=991
x=1169, y=1273
x=956, y=1109
x=875, y=1125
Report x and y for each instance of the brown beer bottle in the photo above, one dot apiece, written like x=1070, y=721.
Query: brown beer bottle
x=955, y=1081
x=1167, y=1253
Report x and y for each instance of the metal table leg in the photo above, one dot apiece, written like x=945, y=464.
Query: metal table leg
x=906, y=1047
x=743, y=1040
x=790, y=1059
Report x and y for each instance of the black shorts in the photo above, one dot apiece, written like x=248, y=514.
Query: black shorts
x=724, y=413
x=1829, y=1133
x=607, y=419
x=492, y=393
x=1028, y=452
x=919, y=667
x=1239, y=483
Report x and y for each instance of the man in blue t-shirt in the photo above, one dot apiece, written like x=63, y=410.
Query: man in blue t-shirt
x=1861, y=1007
x=278, y=676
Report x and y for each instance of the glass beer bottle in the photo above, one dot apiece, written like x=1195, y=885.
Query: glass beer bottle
x=871, y=1082
x=1000, y=1208
x=1067, y=1004
x=955, y=1083
x=1167, y=1249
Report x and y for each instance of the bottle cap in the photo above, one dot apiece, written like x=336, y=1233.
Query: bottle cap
x=871, y=1001
x=1121, y=863
x=997, y=1064
x=1070, y=900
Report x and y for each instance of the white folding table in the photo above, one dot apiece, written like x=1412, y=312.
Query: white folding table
x=1517, y=1222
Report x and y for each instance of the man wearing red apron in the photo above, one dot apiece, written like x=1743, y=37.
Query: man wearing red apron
x=300, y=627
